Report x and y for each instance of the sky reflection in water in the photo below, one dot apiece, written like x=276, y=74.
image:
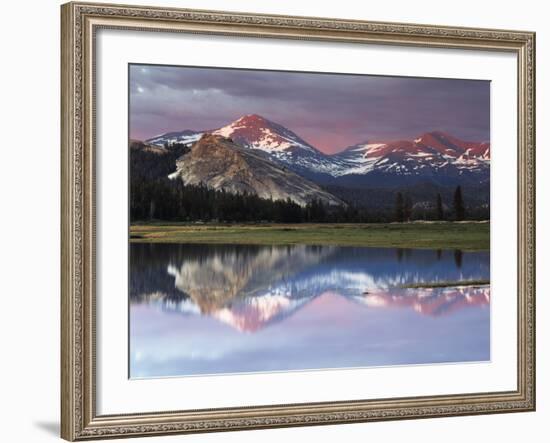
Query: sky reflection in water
x=211, y=309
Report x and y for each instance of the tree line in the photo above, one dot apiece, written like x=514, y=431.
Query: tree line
x=404, y=209
x=172, y=200
x=155, y=197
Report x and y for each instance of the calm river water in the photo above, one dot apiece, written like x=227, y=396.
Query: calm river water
x=211, y=309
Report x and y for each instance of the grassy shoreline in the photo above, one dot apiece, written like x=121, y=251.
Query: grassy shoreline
x=469, y=236
x=446, y=284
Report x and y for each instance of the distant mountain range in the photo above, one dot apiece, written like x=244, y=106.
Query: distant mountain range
x=434, y=157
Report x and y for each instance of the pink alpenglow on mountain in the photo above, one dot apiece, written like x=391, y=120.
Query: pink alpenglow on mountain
x=431, y=151
x=431, y=154
x=255, y=131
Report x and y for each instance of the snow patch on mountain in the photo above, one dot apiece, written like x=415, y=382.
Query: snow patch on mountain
x=431, y=153
x=184, y=138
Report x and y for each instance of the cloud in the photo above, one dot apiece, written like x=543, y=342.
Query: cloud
x=331, y=111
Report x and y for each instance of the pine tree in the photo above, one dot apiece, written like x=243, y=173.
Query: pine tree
x=458, y=204
x=439, y=207
x=407, y=208
x=399, y=208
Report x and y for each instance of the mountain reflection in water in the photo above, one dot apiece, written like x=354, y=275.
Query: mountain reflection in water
x=205, y=309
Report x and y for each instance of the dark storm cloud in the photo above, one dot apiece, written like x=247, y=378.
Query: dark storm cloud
x=330, y=111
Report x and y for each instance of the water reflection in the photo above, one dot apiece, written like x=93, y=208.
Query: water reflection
x=458, y=258
x=198, y=309
x=428, y=301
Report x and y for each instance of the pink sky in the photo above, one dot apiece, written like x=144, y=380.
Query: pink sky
x=330, y=111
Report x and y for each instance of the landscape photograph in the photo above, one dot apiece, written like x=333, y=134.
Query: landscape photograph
x=283, y=221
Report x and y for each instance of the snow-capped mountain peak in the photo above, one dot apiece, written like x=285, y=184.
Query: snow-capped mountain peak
x=257, y=132
x=252, y=131
x=435, y=155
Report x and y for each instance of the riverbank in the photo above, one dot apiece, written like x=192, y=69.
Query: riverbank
x=468, y=236
x=447, y=284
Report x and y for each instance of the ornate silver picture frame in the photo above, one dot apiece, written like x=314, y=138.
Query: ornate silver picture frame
x=80, y=23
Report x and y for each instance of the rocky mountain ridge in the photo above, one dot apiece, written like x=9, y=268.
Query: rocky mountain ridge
x=221, y=164
x=435, y=156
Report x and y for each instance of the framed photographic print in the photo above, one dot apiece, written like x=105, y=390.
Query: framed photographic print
x=282, y=221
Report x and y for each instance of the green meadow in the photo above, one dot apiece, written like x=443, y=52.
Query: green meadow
x=468, y=236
